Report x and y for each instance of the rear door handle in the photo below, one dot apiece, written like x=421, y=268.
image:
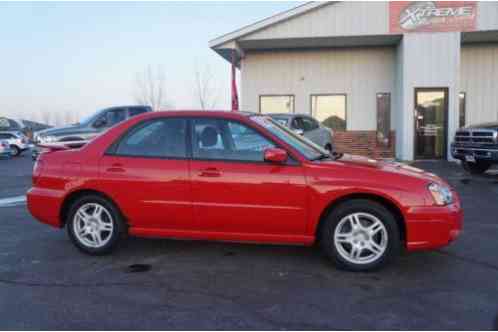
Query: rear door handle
x=210, y=172
x=116, y=168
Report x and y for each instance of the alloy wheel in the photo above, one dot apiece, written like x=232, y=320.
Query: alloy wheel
x=93, y=225
x=360, y=238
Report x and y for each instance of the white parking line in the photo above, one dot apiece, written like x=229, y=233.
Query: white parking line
x=12, y=201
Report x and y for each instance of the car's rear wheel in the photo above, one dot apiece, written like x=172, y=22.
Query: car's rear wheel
x=360, y=235
x=15, y=150
x=477, y=167
x=94, y=225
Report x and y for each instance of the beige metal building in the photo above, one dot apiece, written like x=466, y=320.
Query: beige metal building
x=392, y=79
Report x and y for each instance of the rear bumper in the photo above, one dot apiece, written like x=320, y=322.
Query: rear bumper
x=433, y=227
x=45, y=205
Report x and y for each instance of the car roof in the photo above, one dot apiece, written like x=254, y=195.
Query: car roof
x=288, y=115
x=197, y=113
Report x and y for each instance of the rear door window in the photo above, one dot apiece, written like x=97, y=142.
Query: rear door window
x=136, y=111
x=160, y=138
x=309, y=124
x=115, y=116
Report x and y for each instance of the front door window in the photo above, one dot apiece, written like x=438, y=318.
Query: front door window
x=431, y=109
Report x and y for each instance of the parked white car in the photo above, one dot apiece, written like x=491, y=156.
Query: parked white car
x=308, y=127
x=5, y=151
x=17, y=141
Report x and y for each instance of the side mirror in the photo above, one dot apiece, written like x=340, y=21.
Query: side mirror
x=276, y=155
x=299, y=131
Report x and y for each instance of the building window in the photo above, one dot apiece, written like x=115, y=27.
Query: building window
x=461, y=109
x=330, y=110
x=276, y=104
x=383, y=118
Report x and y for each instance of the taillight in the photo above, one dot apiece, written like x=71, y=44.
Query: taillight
x=37, y=169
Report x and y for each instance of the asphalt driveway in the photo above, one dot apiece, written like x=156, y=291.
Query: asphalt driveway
x=45, y=283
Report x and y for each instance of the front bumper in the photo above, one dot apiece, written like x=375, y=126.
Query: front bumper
x=480, y=152
x=5, y=154
x=431, y=227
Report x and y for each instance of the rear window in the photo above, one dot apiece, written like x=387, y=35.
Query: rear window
x=137, y=110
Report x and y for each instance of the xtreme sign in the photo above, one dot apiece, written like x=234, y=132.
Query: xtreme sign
x=432, y=16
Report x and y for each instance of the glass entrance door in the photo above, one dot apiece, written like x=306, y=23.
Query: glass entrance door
x=431, y=114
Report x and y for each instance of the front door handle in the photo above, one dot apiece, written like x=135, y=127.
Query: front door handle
x=116, y=168
x=210, y=172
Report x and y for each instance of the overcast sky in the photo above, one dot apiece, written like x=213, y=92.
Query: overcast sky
x=80, y=57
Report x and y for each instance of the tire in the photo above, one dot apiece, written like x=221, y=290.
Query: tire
x=328, y=147
x=15, y=150
x=82, y=231
x=386, y=236
x=476, y=168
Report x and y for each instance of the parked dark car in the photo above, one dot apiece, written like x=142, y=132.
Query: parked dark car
x=477, y=147
x=89, y=127
x=308, y=127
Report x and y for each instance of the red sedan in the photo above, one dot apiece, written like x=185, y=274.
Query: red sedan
x=234, y=176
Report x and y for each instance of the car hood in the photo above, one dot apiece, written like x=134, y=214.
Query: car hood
x=487, y=125
x=72, y=129
x=389, y=167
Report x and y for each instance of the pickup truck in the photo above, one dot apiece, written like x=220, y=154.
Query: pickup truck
x=87, y=128
x=477, y=147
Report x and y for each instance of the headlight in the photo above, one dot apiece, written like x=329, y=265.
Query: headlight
x=46, y=139
x=442, y=195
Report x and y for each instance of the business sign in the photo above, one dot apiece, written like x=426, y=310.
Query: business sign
x=432, y=16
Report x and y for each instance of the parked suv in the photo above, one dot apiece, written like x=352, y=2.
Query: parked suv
x=17, y=140
x=308, y=127
x=89, y=127
x=477, y=147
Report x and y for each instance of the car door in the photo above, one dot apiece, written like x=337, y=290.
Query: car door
x=234, y=190
x=147, y=173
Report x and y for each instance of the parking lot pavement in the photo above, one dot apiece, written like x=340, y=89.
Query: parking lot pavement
x=15, y=175
x=45, y=283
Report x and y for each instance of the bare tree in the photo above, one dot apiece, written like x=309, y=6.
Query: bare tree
x=150, y=87
x=207, y=92
x=70, y=117
x=46, y=116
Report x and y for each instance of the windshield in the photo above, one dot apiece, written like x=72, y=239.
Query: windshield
x=308, y=149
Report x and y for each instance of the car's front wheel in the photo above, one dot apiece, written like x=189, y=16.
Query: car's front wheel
x=360, y=235
x=94, y=225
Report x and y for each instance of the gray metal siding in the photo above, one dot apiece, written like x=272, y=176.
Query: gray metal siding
x=428, y=60
x=337, y=19
x=479, y=80
x=487, y=16
x=360, y=73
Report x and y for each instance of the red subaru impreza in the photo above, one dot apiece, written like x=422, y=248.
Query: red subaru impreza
x=234, y=176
